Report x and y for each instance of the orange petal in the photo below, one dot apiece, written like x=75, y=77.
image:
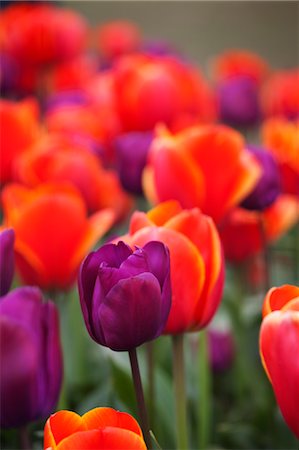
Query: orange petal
x=59, y=426
x=175, y=175
x=109, y=417
x=164, y=212
x=139, y=220
x=83, y=440
x=278, y=298
x=279, y=338
x=187, y=274
x=281, y=216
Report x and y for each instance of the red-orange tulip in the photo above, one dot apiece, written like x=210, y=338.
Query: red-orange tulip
x=281, y=137
x=58, y=158
x=117, y=38
x=279, y=349
x=196, y=261
x=19, y=130
x=152, y=89
x=244, y=233
x=235, y=63
x=53, y=233
x=98, y=429
x=206, y=166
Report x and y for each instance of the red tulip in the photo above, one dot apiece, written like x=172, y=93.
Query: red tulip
x=117, y=38
x=214, y=169
x=100, y=428
x=53, y=233
x=234, y=63
x=19, y=130
x=196, y=261
x=279, y=349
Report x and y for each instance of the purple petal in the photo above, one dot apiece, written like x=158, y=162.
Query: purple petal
x=7, y=239
x=131, y=312
x=23, y=304
x=158, y=260
x=19, y=366
x=96, y=330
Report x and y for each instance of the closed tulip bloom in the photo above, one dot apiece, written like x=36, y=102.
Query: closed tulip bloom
x=125, y=295
x=279, y=349
x=100, y=428
x=131, y=153
x=268, y=187
x=7, y=238
x=221, y=350
x=196, y=260
x=53, y=232
x=19, y=130
x=31, y=359
x=215, y=170
x=117, y=38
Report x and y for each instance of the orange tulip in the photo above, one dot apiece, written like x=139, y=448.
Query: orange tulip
x=206, y=166
x=196, y=261
x=279, y=349
x=242, y=233
x=19, y=130
x=281, y=138
x=99, y=428
x=53, y=233
x=58, y=158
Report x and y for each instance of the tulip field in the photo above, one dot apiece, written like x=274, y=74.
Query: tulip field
x=149, y=238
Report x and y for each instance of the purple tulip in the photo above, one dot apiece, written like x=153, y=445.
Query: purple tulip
x=30, y=357
x=221, y=350
x=268, y=187
x=7, y=239
x=238, y=101
x=131, y=151
x=125, y=296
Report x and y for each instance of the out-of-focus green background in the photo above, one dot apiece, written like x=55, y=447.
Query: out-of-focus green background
x=202, y=29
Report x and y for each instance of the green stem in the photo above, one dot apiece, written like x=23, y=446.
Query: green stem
x=151, y=381
x=140, y=397
x=180, y=393
x=205, y=381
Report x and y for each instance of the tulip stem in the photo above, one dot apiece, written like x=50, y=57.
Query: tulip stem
x=180, y=392
x=24, y=437
x=204, y=405
x=151, y=381
x=140, y=397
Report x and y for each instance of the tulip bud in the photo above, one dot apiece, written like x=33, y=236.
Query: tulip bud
x=7, y=238
x=30, y=357
x=125, y=296
x=268, y=187
x=221, y=350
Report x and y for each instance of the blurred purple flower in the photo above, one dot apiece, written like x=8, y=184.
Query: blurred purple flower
x=221, y=350
x=7, y=239
x=30, y=357
x=131, y=152
x=125, y=296
x=238, y=101
x=161, y=48
x=269, y=186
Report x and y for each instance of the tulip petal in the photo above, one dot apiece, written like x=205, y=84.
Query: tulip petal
x=163, y=212
x=61, y=425
x=187, y=274
x=279, y=337
x=278, y=298
x=131, y=301
x=281, y=216
x=139, y=220
x=109, y=417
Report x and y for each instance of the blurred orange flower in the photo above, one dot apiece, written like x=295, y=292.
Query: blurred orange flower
x=53, y=233
x=281, y=138
x=196, y=261
x=99, y=428
x=279, y=349
x=58, y=158
x=203, y=166
x=19, y=130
